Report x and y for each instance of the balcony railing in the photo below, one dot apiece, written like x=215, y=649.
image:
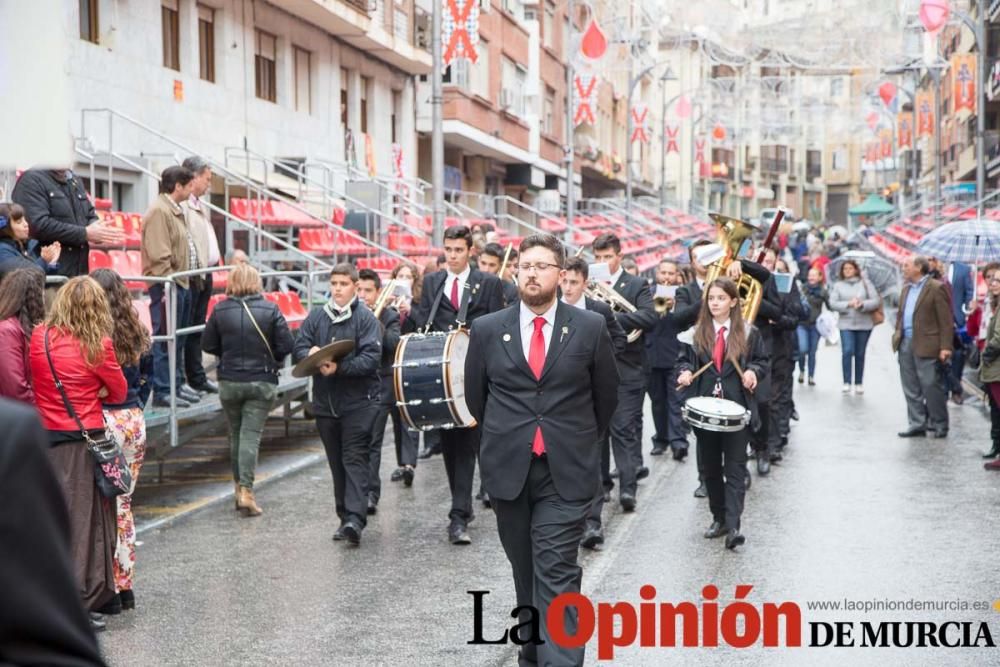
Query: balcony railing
x=360, y=5
x=773, y=165
x=814, y=170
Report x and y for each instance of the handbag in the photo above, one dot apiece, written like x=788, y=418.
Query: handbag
x=111, y=470
x=878, y=315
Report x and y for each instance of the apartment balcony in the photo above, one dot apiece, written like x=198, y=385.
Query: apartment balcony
x=814, y=171
x=774, y=166
x=350, y=21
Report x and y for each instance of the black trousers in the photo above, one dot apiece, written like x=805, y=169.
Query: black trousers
x=625, y=439
x=201, y=292
x=540, y=532
x=346, y=440
x=759, y=438
x=605, y=484
x=460, y=449
x=994, y=416
x=782, y=379
x=382, y=409
x=407, y=441
x=666, y=404
x=724, y=456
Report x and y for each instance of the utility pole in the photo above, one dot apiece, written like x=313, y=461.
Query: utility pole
x=437, y=129
x=569, y=133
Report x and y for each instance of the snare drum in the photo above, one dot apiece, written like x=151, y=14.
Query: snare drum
x=715, y=414
x=429, y=380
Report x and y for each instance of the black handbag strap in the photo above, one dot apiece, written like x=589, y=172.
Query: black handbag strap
x=463, y=308
x=62, y=391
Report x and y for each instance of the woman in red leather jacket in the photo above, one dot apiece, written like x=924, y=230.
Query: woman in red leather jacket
x=78, y=330
x=22, y=306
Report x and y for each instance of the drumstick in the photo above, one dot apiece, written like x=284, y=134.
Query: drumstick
x=698, y=372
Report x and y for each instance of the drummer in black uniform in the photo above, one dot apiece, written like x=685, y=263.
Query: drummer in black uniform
x=452, y=298
x=724, y=359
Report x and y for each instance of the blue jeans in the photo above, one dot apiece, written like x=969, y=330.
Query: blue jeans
x=158, y=318
x=808, y=342
x=853, y=343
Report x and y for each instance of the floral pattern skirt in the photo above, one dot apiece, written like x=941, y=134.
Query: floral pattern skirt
x=128, y=428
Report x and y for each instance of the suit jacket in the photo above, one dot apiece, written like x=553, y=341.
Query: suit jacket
x=572, y=402
x=636, y=291
x=511, y=295
x=485, y=296
x=618, y=336
x=661, y=341
x=42, y=619
x=687, y=305
x=756, y=360
x=389, y=319
x=963, y=290
x=933, y=320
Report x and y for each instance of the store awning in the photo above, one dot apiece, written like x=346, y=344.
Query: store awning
x=874, y=205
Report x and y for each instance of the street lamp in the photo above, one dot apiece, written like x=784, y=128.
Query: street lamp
x=668, y=75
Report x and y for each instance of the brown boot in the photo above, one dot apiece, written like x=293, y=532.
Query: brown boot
x=247, y=503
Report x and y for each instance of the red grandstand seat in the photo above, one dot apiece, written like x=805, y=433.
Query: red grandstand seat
x=98, y=259
x=212, y=302
x=292, y=316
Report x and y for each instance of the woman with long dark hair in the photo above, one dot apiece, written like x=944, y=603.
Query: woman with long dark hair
x=725, y=359
x=989, y=368
x=16, y=245
x=22, y=307
x=126, y=423
x=74, y=343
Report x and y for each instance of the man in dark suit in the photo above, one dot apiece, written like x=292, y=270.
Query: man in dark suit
x=925, y=330
x=962, y=281
x=369, y=286
x=573, y=285
x=661, y=348
x=632, y=366
x=453, y=298
x=42, y=620
x=541, y=379
x=490, y=260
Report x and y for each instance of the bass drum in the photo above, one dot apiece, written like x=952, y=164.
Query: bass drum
x=429, y=380
x=715, y=414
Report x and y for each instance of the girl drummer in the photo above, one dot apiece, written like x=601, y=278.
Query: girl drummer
x=724, y=360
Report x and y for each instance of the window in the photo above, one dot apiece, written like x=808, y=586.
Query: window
x=265, y=70
x=303, y=80
x=366, y=84
x=839, y=160
x=89, y=26
x=514, y=81
x=206, y=43
x=566, y=39
x=343, y=97
x=549, y=25
x=473, y=78
x=836, y=86
x=171, y=35
x=549, y=112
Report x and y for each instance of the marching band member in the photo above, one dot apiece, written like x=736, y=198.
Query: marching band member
x=625, y=438
x=451, y=298
x=345, y=394
x=725, y=359
x=490, y=260
x=661, y=348
x=573, y=284
x=541, y=379
x=369, y=286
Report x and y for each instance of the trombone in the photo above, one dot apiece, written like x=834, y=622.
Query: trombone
x=384, y=297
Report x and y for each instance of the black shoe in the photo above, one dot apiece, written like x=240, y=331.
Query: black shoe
x=912, y=433
x=372, y=506
x=614, y=474
x=994, y=452
x=607, y=496
x=937, y=435
x=642, y=472
x=628, y=502
x=427, y=453
x=486, y=500
x=396, y=475
x=112, y=607
x=188, y=394
x=164, y=402
x=128, y=599
x=734, y=539
x=783, y=442
x=776, y=456
x=717, y=529
x=701, y=491
x=748, y=480
x=763, y=464
x=795, y=415
x=352, y=532
x=680, y=453
x=657, y=450
x=408, y=473
x=457, y=534
x=339, y=534
x=206, y=387
x=593, y=538
x=97, y=623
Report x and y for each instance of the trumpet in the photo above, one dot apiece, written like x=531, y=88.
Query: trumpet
x=384, y=297
x=618, y=304
x=663, y=305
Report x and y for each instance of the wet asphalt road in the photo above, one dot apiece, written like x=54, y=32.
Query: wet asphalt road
x=852, y=512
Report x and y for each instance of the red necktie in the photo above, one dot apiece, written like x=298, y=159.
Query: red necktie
x=454, y=293
x=719, y=353
x=536, y=360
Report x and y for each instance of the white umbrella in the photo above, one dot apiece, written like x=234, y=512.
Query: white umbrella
x=970, y=241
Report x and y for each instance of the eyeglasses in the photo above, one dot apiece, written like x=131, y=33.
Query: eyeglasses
x=994, y=279
x=541, y=267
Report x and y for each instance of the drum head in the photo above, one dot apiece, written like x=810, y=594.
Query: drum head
x=716, y=406
x=455, y=353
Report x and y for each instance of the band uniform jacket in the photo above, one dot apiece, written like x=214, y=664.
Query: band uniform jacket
x=755, y=359
x=572, y=402
x=687, y=305
x=933, y=320
x=485, y=296
x=618, y=336
x=636, y=291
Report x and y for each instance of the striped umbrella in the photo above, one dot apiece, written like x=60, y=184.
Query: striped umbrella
x=969, y=241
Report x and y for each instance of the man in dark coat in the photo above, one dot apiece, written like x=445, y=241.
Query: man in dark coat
x=56, y=205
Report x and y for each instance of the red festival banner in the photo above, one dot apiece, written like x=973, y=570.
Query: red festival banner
x=460, y=30
x=904, y=135
x=885, y=143
x=699, y=150
x=586, y=91
x=963, y=77
x=671, y=132
x=925, y=114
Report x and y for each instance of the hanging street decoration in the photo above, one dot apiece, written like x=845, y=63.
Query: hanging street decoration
x=872, y=120
x=925, y=114
x=885, y=143
x=585, y=98
x=719, y=133
x=639, y=114
x=904, y=125
x=460, y=30
x=593, y=43
x=699, y=150
x=683, y=107
x=887, y=91
x=963, y=76
x=671, y=132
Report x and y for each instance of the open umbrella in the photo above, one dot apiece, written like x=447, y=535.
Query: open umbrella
x=969, y=241
x=883, y=273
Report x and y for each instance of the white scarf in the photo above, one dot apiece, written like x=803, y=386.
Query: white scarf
x=338, y=314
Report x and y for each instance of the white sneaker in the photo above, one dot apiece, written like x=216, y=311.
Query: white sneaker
x=858, y=389
x=846, y=389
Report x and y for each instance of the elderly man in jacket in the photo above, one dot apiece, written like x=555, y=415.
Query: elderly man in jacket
x=925, y=329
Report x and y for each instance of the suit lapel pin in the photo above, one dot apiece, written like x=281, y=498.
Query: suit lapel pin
x=565, y=330
x=506, y=338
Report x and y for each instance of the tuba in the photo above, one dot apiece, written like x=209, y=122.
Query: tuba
x=731, y=234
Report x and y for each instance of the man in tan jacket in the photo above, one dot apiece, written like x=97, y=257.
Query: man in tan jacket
x=168, y=248
x=925, y=329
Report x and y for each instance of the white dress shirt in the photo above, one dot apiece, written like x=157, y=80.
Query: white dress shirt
x=462, y=279
x=725, y=336
x=616, y=276
x=528, y=327
x=581, y=303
